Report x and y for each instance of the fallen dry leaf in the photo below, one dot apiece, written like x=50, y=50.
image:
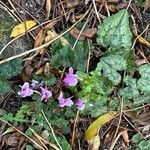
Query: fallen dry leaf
x=86, y=33
x=147, y=5
x=20, y=28
x=94, y=143
x=39, y=38
x=143, y=41
x=51, y=24
x=51, y=35
x=48, y=8
x=125, y=137
x=93, y=129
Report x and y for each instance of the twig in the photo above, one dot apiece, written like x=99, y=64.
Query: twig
x=120, y=117
x=129, y=4
x=94, y=4
x=51, y=130
x=22, y=133
x=139, y=36
x=44, y=45
x=81, y=32
x=115, y=140
x=74, y=129
x=42, y=139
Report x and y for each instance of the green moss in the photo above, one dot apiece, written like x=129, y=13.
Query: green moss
x=4, y=25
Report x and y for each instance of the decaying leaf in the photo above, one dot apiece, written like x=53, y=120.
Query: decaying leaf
x=147, y=5
x=94, y=143
x=51, y=35
x=125, y=137
x=143, y=41
x=39, y=38
x=20, y=28
x=93, y=129
x=48, y=7
x=86, y=33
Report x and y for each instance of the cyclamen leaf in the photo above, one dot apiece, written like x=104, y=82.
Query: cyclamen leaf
x=144, y=81
x=11, y=68
x=131, y=90
x=115, y=31
x=66, y=57
x=110, y=65
x=4, y=85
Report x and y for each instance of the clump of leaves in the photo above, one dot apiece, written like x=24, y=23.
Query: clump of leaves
x=64, y=55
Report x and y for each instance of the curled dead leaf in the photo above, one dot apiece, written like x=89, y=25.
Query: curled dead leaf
x=87, y=33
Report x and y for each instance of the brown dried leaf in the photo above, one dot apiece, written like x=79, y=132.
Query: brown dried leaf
x=48, y=8
x=86, y=33
x=125, y=137
x=147, y=5
x=51, y=24
x=39, y=38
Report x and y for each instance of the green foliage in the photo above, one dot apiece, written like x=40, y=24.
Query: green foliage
x=137, y=90
x=4, y=85
x=48, y=80
x=140, y=143
x=29, y=147
x=10, y=69
x=66, y=56
x=131, y=91
x=7, y=71
x=110, y=65
x=115, y=31
x=144, y=81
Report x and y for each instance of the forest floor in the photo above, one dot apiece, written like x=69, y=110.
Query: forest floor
x=74, y=74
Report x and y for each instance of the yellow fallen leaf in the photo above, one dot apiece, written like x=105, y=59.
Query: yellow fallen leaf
x=20, y=28
x=93, y=129
x=144, y=41
x=94, y=143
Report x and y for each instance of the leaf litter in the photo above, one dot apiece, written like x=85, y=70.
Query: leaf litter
x=103, y=81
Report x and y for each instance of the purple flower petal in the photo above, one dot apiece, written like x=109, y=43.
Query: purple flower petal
x=64, y=102
x=68, y=102
x=71, y=79
x=80, y=104
x=45, y=93
x=25, y=90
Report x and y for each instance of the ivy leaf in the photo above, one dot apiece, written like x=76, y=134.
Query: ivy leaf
x=11, y=68
x=115, y=31
x=131, y=90
x=144, y=81
x=110, y=65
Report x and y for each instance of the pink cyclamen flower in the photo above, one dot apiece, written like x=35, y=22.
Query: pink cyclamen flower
x=45, y=93
x=64, y=102
x=80, y=104
x=25, y=90
x=71, y=79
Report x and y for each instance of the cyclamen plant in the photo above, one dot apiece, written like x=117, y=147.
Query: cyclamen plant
x=70, y=79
